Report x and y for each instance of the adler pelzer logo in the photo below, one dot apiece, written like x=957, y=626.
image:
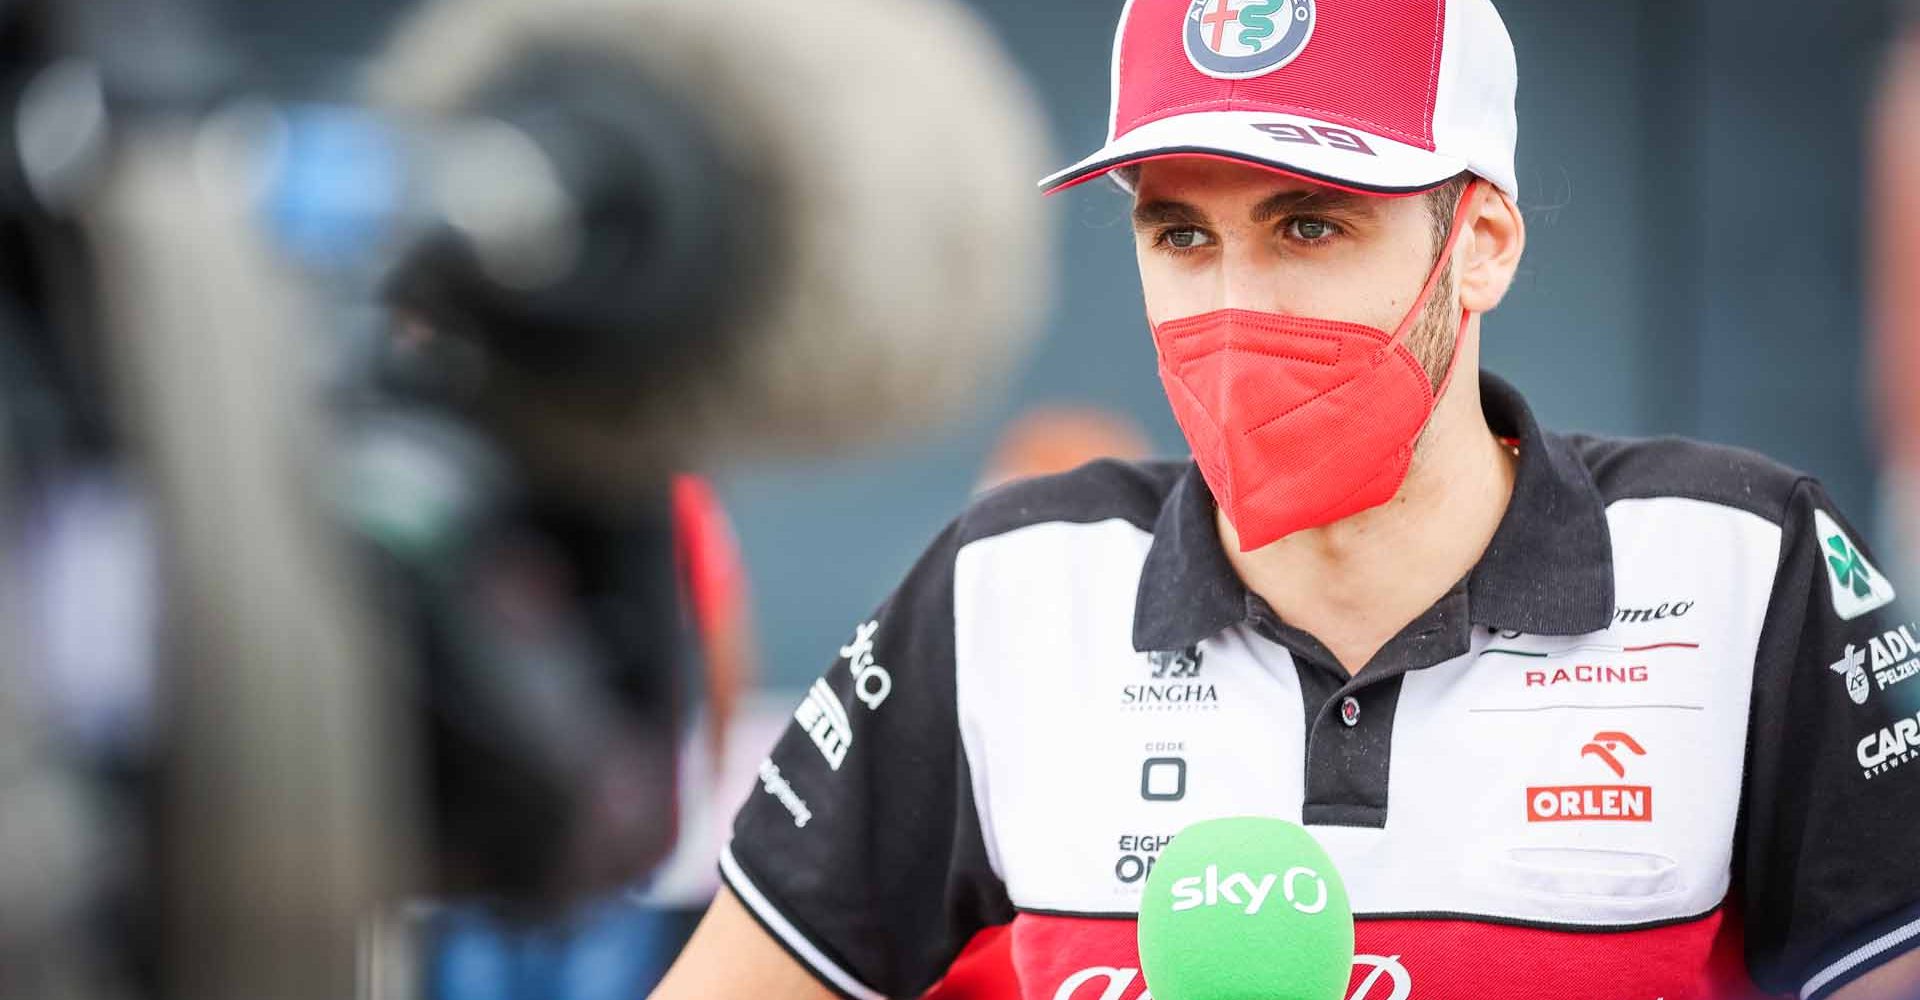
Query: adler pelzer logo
x=1852, y=665
x=1890, y=658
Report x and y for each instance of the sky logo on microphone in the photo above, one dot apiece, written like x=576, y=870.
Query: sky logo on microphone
x=1303, y=888
x=1245, y=896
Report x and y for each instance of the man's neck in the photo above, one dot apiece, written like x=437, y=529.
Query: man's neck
x=1356, y=583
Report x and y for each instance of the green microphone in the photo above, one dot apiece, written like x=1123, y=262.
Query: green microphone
x=1248, y=908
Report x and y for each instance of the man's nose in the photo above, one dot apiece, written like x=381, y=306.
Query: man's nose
x=1247, y=280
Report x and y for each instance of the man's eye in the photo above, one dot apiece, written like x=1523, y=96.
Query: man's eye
x=1312, y=230
x=1184, y=239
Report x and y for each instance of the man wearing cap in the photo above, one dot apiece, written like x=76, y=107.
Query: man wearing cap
x=1576, y=718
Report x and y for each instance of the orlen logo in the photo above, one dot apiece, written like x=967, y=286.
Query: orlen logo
x=1210, y=889
x=1596, y=803
x=1605, y=745
x=1375, y=978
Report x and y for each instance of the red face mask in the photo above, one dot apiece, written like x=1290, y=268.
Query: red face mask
x=1298, y=422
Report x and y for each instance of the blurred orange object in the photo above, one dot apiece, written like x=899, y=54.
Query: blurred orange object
x=1050, y=439
x=1895, y=212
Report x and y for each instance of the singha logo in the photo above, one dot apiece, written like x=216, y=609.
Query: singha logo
x=1175, y=664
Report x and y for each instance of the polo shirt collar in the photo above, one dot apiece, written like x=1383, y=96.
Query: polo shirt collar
x=1548, y=570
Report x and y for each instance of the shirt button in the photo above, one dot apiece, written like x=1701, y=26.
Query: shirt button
x=1350, y=711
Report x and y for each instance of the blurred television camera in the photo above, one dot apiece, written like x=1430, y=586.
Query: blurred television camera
x=379, y=364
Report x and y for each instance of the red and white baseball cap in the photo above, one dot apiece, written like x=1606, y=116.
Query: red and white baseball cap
x=1377, y=96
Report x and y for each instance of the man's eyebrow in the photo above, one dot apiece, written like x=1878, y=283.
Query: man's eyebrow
x=1319, y=200
x=1148, y=215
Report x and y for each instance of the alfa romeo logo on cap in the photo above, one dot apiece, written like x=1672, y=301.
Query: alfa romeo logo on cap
x=1235, y=39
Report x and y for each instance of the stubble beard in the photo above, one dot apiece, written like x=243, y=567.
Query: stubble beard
x=1436, y=336
x=1434, y=341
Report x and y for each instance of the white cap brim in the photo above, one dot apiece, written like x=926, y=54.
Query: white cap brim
x=1313, y=150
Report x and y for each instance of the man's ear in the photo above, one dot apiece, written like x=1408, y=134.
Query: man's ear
x=1490, y=249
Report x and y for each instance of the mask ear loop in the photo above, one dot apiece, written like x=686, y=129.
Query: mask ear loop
x=1433, y=282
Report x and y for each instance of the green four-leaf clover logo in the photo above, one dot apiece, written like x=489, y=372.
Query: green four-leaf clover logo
x=1848, y=567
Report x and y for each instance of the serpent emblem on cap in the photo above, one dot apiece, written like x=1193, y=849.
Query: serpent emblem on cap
x=1236, y=39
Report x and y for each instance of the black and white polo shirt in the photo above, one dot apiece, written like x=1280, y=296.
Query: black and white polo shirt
x=1663, y=741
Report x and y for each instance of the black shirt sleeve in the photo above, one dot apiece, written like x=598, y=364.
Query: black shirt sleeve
x=1829, y=862
x=860, y=850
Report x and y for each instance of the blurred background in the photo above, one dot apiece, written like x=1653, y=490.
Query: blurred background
x=1722, y=245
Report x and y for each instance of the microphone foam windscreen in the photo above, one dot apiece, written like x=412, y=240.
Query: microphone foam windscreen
x=1246, y=908
x=893, y=144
